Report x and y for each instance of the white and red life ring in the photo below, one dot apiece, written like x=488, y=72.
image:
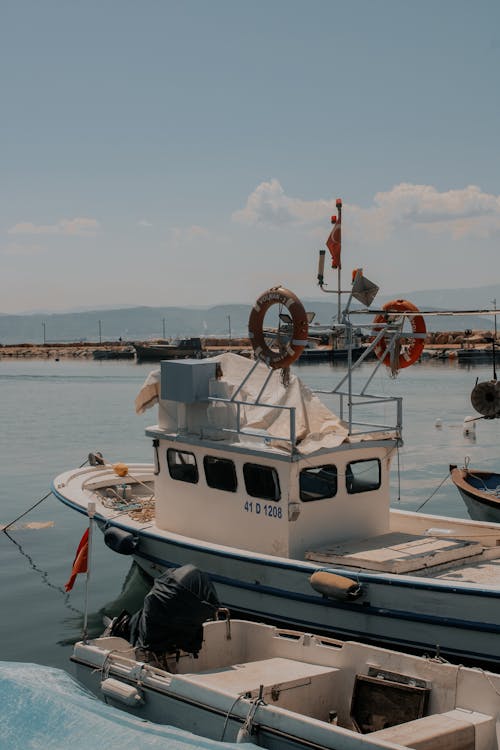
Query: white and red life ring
x=410, y=354
x=278, y=296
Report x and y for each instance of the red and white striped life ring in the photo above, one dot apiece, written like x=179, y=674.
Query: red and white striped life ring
x=278, y=296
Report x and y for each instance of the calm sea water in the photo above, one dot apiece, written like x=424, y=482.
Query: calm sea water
x=53, y=413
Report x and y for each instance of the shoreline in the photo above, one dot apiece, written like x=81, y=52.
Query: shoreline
x=66, y=351
x=437, y=343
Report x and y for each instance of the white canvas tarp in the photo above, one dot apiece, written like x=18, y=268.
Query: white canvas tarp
x=315, y=425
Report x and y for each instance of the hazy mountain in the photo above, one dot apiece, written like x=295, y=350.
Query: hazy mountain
x=141, y=323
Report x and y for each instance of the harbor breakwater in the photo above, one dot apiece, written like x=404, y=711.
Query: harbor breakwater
x=434, y=342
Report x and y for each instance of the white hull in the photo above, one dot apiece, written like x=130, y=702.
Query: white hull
x=424, y=613
x=404, y=612
x=315, y=693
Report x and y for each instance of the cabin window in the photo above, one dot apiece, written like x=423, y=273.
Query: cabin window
x=362, y=476
x=318, y=482
x=182, y=465
x=220, y=473
x=261, y=481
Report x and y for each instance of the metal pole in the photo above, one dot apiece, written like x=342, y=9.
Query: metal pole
x=495, y=341
x=44, y=339
x=100, y=332
x=229, y=323
x=338, y=205
x=91, y=512
x=339, y=306
x=164, y=329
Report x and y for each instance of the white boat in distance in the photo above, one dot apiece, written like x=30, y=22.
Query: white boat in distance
x=287, y=690
x=287, y=507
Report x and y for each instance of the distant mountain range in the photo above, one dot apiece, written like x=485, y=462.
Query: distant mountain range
x=143, y=323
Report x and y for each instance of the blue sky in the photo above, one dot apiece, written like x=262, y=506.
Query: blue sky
x=165, y=152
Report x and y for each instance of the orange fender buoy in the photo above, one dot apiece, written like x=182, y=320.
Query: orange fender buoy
x=120, y=470
x=410, y=355
x=278, y=296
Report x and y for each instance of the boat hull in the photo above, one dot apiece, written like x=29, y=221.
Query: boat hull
x=328, y=354
x=420, y=613
x=282, y=689
x=189, y=348
x=480, y=491
x=406, y=613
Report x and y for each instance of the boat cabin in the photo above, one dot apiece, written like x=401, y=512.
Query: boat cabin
x=226, y=474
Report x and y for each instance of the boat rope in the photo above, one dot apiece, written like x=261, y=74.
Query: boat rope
x=398, y=473
x=228, y=716
x=432, y=495
x=38, y=502
x=246, y=731
x=488, y=679
x=27, y=511
x=44, y=575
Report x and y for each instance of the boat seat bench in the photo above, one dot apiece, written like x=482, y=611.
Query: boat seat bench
x=454, y=730
x=294, y=685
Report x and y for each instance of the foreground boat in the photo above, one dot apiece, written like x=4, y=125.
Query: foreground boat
x=280, y=689
x=480, y=491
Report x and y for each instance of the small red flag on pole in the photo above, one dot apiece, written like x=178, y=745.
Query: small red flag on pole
x=334, y=241
x=81, y=560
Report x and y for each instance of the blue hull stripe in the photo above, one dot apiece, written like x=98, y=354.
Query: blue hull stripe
x=364, y=608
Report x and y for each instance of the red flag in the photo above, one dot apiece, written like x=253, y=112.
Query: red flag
x=334, y=242
x=80, y=561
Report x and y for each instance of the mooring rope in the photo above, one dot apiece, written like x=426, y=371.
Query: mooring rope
x=431, y=496
x=27, y=511
x=44, y=575
x=38, y=502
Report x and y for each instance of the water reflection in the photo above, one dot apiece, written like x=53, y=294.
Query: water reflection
x=43, y=574
x=134, y=588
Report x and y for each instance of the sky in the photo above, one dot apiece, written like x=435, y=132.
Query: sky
x=170, y=152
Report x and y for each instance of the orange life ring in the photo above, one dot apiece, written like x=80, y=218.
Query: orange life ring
x=410, y=355
x=278, y=295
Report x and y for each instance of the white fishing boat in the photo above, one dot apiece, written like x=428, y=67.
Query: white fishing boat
x=249, y=682
x=262, y=493
x=285, y=503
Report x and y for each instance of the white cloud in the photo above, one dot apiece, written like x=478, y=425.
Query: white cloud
x=269, y=205
x=144, y=223
x=79, y=226
x=464, y=212
x=468, y=211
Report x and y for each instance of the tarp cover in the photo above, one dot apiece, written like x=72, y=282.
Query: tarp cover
x=44, y=708
x=315, y=425
x=171, y=619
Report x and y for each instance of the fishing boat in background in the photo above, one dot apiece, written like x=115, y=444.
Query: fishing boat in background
x=240, y=681
x=480, y=491
x=179, y=349
x=480, y=347
x=327, y=344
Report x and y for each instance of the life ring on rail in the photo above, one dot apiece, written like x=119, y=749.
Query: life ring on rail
x=410, y=354
x=278, y=295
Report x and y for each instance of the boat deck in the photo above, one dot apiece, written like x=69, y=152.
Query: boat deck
x=485, y=572
x=443, y=559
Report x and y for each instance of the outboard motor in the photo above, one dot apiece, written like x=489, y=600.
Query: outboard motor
x=173, y=613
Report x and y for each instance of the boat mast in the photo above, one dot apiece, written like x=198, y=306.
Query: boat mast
x=339, y=269
x=495, y=340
